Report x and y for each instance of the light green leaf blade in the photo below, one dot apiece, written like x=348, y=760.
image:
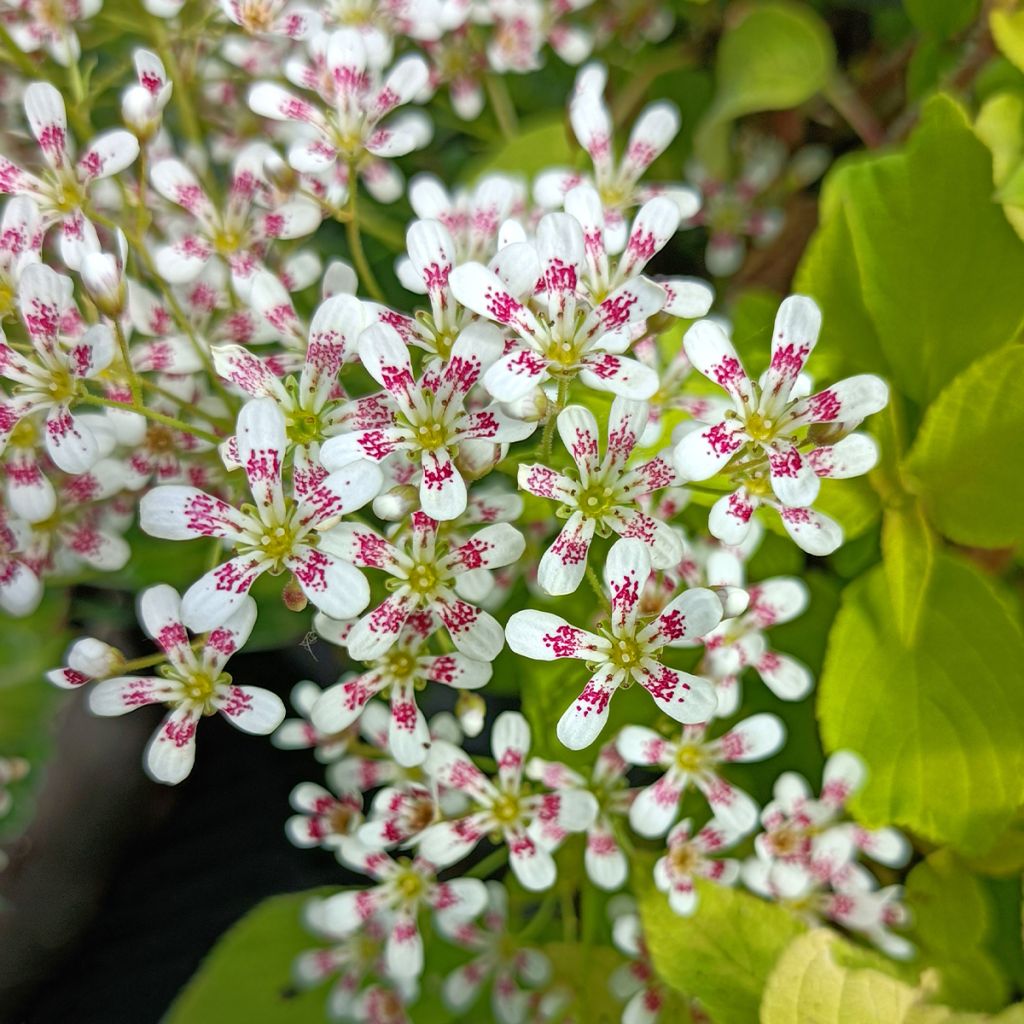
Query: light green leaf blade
x=724, y=953
x=962, y=463
x=247, y=976
x=940, y=722
x=951, y=924
x=809, y=985
x=774, y=56
x=907, y=267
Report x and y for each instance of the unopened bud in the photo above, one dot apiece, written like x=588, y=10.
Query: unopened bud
x=293, y=597
x=12, y=769
x=139, y=114
x=477, y=458
x=103, y=277
x=394, y=505
x=532, y=407
x=470, y=710
x=734, y=600
x=830, y=433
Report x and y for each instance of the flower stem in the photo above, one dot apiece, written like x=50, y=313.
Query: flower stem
x=540, y=920
x=355, y=243
x=156, y=417
x=549, y=426
x=494, y=860
x=849, y=103
x=133, y=377
x=501, y=104
x=595, y=584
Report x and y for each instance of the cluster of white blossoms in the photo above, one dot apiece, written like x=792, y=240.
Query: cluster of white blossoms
x=512, y=467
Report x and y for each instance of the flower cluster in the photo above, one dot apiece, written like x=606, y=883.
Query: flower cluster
x=516, y=513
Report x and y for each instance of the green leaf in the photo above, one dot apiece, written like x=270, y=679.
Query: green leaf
x=1000, y=125
x=808, y=984
x=908, y=553
x=775, y=56
x=545, y=142
x=942, y=18
x=911, y=273
x=940, y=722
x=1008, y=32
x=952, y=928
x=724, y=953
x=944, y=1015
x=247, y=976
x=961, y=464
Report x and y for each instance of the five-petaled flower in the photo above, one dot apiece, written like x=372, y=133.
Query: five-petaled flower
x=759, y=436
x=627, y=650
x=601, y=496
x=533, y=825
x=693, y=760
x=192, y=684
x=428, y=574
x=273, y=535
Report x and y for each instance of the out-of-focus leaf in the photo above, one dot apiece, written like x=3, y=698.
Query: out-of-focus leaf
x=1008, y=32
x=811, y=983
x=952, y=928
x=724, y=953
x=774, y=56
x=942, y=18
x=247, y=976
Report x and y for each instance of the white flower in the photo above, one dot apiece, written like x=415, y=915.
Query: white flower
x=427, y=575
x=693, y=760
x=758, y=435
x=427, y=420
x=689, y=856
x=402, y=670
x=192, y=683
x=404, y=887
x=142, y=105
x=617, y=183
x=301, y=734
x=627, y=651
x=62, y=191
x=324, y=818
x=497, y=958
x=20, y=587
x=65, y=354
x=275, y=534
x=531, y=824
x=853, y=900
x=358, y=98
x=560, y=334
x=604, y=858
x=601, y=497
x=740, y=642
x=807, y=831
x=241, y=233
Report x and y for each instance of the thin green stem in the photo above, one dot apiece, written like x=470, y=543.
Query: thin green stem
x=850, y=105
x=181, y=94
x=540, y=920
x=568, y=905
x=133, y=377
x=156, y=417
x=214, y=421
x=17, y=57
x=549, y=426
x=502, y=105
x=595, y=584
x=494, y=860
x=705, y=490
x=355, y=244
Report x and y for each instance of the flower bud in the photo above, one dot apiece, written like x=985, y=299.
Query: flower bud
x=477, y=458
x=734, y=600
x=394, y=505
x=103, y=277
x=532, y=407
x=830, y=433
x=470, y=710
